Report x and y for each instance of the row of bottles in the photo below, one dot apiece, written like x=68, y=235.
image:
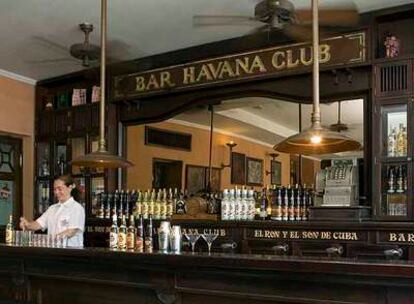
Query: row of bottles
x=397, y=141
x=396, y=179
x=132, y=237
x=279, y=203
x=160, y=205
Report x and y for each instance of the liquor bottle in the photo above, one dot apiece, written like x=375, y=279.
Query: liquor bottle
x=251, y=205
x=138, y=204
x=139, y=241
x=175, y=200
x=270, y=194
x=151, y=203
x=400, y=180
x=263, y=205
x=291, y=206
x=285, y=207
x=391, y=180
x=181, y=206
x=126, y=200
x=117, y=204
x=9, y=231
x=113, y=233
x=305, y=203
x=131, y=234
x=145, y=207
x=149, y=245
x=392, y=143
x=122, y=234
x=163, y=205
x=157, y=206
x=170, y=204
x=298, y=214
x=244, y=206
x=237, y=204
x=401, y=141
x=232, y=205
x=279, y=205
x=101, y=199
x=225, y=206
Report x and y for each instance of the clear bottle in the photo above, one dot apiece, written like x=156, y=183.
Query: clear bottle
x=145, y=205
x=244, y=214
x=170, y=204
x=113, y=233
x=232, y=206
x=139, y=241
x=225, y=206
x=252, y=205
x=263, y=205
x=157, y=206
x=392, y=142
x=237, y=205
x=163, y=205
x=9, y=231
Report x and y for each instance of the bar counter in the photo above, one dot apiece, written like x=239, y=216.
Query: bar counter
x=52, y=275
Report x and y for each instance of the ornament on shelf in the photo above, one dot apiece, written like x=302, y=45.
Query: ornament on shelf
x=392, y=46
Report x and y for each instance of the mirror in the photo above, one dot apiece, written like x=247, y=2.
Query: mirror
x=180, y=145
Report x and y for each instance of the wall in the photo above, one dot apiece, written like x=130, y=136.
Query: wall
x=140, y=176
x=17, y=120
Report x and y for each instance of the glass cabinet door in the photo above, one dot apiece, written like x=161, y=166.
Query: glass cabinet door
x=43, y=160
x=78, y=149
x=394, y=131
x=394, y=163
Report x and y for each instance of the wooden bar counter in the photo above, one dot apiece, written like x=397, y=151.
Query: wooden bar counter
x=96, y=275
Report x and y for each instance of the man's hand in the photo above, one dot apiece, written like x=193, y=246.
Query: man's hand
x=23, y=223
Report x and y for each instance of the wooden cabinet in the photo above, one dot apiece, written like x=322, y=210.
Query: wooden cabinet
x=67, y=127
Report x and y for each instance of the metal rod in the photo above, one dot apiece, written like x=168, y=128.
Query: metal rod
x=300, y=155
x=210, y=107
x=102, y=142
x=316, y=115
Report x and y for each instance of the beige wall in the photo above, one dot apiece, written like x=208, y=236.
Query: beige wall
x=17, y=101
x=140, y=176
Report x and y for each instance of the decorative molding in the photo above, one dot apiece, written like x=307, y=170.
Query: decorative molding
x=17, y=77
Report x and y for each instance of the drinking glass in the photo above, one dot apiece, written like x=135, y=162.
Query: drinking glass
x=209, y=238
x=192, y=238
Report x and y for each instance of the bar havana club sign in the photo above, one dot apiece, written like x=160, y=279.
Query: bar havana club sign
x=336, y=51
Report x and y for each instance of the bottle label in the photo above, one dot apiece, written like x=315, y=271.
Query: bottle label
x=148, y=245
x=113, y=240
x=139, y=244
x=130, y=241
x=121, y=241
x=9, y=236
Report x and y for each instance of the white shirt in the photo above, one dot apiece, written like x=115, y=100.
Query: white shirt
x=62, y=216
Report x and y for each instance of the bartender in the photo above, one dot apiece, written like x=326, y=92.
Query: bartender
x=65, y=219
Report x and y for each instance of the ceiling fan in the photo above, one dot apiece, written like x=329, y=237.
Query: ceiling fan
x=85, y=51
x=339, y=126
x=282, y=15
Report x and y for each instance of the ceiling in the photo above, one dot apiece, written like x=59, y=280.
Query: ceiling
x=36, y=34
x=268, y=121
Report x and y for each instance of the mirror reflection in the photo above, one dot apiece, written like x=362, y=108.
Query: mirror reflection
x=176, y=153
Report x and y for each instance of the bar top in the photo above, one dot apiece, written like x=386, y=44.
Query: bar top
x=267, y=263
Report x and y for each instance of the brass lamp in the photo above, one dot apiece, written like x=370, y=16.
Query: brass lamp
x=102, y=158
x=231, y=144
x=316, y=139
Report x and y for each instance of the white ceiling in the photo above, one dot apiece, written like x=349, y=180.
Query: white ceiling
x=268, y=121
x=36, y=34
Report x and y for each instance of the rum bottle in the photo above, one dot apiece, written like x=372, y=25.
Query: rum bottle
x=113, y=233
x=149, y=244
x=9, y=231
x=131, y=234
x=139, y=241
x=122, y=233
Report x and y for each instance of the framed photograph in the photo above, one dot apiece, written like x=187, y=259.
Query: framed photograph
x=254, y=171
x=276, y=172
x=238, y=168
x=195, y=178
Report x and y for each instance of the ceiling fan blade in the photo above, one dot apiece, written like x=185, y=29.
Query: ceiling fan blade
x=341, y=16
x=51, y=43
x=302, y=33
x=46, y=61
x=214, y=20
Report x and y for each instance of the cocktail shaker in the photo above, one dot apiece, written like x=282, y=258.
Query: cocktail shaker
x=175, y=239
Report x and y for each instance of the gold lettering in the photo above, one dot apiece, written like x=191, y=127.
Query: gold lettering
x=324, y=53
x=189, y=75
x=290, y=62
x=401, y=237
x=410, y=237
x=204, y=73
x=305, y=61
x=258, y=233
x=257, y=64
x=152, y=83
x=243, y=65
x=140, y=83
x=215, y=71
x=294, y=235
x=326, y=235
x=166, y=80
x=284, y=234
x=226, y=69
x=278, y=65
x=222, y=232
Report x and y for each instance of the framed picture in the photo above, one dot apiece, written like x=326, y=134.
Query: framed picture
x=275, y=172
x=195, y=178
x=215, y=179
x=238, y=168
x=254, y=170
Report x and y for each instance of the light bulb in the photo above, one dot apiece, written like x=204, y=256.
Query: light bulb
x=316, y=139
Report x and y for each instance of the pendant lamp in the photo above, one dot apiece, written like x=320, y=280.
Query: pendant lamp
x=102, y=158
x=316, y=139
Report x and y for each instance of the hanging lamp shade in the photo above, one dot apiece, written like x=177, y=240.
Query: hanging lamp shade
x=102, y=158
x=316, y=139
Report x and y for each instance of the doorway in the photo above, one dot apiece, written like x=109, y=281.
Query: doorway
x=167, y=173
x=10, y=178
